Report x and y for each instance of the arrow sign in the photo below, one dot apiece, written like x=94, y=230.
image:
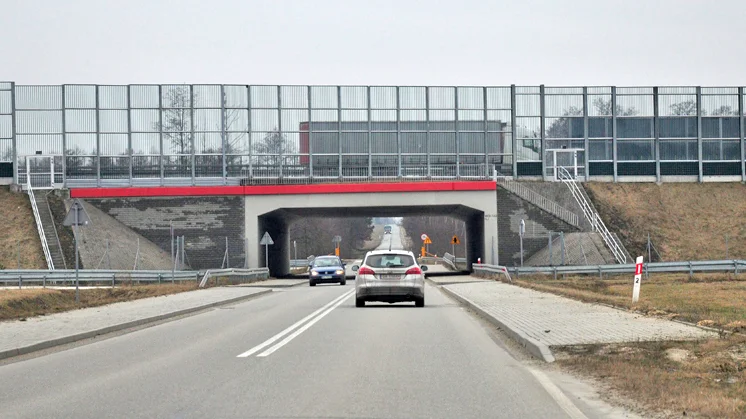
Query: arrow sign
x=76, y=216
x=266, y=239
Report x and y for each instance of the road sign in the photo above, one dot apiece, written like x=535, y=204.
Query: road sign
x=337, y=239
x=76, y=216
x=638, y=279
x=428, y=241
x=455, y=240
x=522, y=228
x=266, y=239
x=423, y=237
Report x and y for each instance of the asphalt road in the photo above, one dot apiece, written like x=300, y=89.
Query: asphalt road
x=303, y=352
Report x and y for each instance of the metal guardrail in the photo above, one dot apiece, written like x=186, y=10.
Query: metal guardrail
x=493, y=269
x=592, y=216
x=435, y=260
x=248, y=273
x=298, y=263
x=539, y=200
x=40, y=228
x=46, y=277
x=735, y=266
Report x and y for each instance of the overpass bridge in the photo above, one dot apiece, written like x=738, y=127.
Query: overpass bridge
x=274, y=208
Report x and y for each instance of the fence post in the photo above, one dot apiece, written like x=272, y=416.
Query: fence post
x=159, y=279
x=555, y=273
x=113, y=280
x=600, y=273
x=20, y=281
x=44, y=281
x=691, y=273
x=735, y=267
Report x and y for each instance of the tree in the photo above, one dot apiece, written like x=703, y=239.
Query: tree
x=724, y=110
x=603, y=107
x=176, y=119
x=270, y=149
x=686, y=108
x=561, y=127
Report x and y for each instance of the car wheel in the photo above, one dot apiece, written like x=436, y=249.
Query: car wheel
x=359, y=302
x=312, y=283
x=343, y=282
x=419, y=302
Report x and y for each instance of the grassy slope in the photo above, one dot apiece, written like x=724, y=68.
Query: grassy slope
x=18, y=229
x=686, y=221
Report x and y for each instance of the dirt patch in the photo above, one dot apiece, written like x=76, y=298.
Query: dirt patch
x=686, y=221
x=19, y=241
x=702, y=380
x=20, y=304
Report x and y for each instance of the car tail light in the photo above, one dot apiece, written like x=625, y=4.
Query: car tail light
x=414, y=271
x=365, y=271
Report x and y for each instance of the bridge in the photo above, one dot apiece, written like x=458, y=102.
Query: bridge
x=272, y=209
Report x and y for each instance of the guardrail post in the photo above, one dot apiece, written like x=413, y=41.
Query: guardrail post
x=691, y=272
x=20, y=281
x=735, y=267
x=113, y=280
x=555, y=273
x=44, y=281
x=159, y=279
x=600, y=273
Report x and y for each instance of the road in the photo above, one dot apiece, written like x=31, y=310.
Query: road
x=301, y=352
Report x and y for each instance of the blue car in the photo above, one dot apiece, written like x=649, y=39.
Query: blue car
x=326, y=269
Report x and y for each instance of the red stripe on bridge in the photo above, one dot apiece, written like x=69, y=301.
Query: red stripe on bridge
x=332, y=188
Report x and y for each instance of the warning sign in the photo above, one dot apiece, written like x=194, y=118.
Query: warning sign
x=455, y=240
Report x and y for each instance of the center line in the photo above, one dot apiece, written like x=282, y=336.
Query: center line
x=305, y=327
x=276, y=337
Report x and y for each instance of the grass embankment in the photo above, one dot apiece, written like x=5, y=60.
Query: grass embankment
x=19, y=239
x=686, y=221
x=20, y=304
x=703, y=379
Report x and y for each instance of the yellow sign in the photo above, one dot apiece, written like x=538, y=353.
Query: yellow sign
x=428, y=241
x=455, y=240
x=336, y=251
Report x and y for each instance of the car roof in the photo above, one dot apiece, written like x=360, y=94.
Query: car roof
x=326, y=257
x=388, y=252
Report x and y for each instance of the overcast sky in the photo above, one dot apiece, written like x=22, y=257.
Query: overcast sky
x=382, y=42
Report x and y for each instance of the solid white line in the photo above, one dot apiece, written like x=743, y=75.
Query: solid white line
x=563, y=401
x=304, y=328
x=276, y=337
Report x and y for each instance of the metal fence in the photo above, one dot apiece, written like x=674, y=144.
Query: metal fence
x=44, y=278
x=690, y=267
x=149, y=135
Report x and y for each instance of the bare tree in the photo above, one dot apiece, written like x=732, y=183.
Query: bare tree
x=603, y=107
x=685, y=108
x=724, y=110
x=270, y=149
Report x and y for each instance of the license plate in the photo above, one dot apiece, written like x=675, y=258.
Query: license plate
x=390, y=277
x=326, y=277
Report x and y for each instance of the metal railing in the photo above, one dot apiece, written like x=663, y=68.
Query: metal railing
x=444, y=260
x=735, y=266
x=40, y=228
x=107, y=277
x=592, y=216
x=492, y=269
x=247, y=273
x=539, y=200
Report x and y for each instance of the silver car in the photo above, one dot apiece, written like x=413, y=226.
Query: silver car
x=390, y=276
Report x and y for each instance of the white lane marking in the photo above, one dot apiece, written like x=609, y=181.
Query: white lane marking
x=295, y=325
x=563, y=401
x=304, y=328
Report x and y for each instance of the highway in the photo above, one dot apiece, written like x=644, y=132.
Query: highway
x=302, y=352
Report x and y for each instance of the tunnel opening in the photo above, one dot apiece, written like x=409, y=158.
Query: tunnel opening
x=285, y=226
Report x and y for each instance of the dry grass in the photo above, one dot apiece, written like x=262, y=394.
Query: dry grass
x=686, y=221
x=719, y=299
x=18, y=231
x=20, y=304
x=710, y=382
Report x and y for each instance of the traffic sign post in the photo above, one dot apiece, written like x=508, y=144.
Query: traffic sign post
x=76, y=217
x=266, y=241
x=337, y=240
x=454, y=242
x=638, y=279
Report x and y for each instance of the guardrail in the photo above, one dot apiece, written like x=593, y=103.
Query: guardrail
x=47, y=277
x=435, y=260
x=248, y=273
x=736, y=266
x=493, y=269
x=298, y=263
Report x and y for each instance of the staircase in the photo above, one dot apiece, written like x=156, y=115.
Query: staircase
x=540, y=201
x=45, y=223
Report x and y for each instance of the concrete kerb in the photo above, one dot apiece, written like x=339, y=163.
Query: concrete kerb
x=536, y=349
x=126, y=325
x=440, y=284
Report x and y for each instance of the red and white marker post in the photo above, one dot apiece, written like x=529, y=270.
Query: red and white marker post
x=638, y=278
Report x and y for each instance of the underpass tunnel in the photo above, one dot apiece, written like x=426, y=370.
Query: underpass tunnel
x=277, y=223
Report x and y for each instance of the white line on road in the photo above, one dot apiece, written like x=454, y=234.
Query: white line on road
x=295, y=325
x=563, y=401
x=304, y=328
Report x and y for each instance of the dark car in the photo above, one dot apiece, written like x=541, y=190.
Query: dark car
x=326, y=269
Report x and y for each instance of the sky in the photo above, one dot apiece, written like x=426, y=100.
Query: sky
x=374, y=42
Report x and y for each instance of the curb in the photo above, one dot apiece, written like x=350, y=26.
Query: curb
x=441, y=284
x=536, y=348
x=126, y=325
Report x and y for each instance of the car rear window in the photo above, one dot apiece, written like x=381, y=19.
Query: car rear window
x=389, y=261
x=326, y=262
